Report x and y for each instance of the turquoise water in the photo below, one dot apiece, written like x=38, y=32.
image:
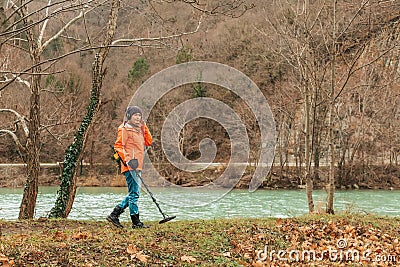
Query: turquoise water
x=97, y=202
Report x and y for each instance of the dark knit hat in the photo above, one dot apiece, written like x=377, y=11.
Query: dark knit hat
x=132, y=110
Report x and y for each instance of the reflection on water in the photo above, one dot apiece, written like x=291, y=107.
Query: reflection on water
x=97, y=202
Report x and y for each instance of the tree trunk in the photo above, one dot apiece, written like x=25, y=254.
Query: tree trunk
x=307, y=150
x=74, y=153
x=342, y=161
x=28, y=203
x=331, y=179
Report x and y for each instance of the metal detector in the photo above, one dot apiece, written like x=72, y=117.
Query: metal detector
x=134, y=164
x=166, y=217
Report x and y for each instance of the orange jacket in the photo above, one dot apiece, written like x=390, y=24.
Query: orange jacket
x=131, y=143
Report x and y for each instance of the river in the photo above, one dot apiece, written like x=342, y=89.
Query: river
x=97, y=202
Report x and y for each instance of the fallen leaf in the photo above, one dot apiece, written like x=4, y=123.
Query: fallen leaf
x=60, y=235
x=6, y=262
x=80, y=235
x=247, y=255
x=3, y=258
x=349, y=229
x=227, y=254
x=188, y=259
x=132, y=249
x=142, y=257
x=241, y=262
x=374, y=238
x=257, y=264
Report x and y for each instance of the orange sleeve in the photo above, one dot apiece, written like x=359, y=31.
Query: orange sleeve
x=148, y=139
x=119, y=147
x=118, y=144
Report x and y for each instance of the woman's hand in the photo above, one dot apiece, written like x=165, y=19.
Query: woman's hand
x=133, y=164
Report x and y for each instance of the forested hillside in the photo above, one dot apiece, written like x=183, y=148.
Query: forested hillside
x=330, y=76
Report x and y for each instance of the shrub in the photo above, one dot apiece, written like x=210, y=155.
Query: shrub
x=139, y=69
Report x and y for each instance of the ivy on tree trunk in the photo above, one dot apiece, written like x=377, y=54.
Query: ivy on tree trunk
x=74, y=153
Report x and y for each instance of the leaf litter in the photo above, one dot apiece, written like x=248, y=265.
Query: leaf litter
x=225, y=242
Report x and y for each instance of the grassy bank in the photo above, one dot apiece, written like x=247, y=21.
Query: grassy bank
x=233, y=242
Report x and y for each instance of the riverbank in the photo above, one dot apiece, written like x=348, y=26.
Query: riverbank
x=347, y=239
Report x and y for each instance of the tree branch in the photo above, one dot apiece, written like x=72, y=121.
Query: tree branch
x=21, y=119
x=131, y=42
x=40, y=38
x=14, y=78
x=21, y=149
x=226, y=9
x=80, y=15
x=353, y=70
x=161, y=38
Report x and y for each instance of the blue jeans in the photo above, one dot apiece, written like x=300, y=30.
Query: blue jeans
x=131, y=199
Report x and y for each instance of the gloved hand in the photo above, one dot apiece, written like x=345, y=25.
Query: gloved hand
x=133, y=164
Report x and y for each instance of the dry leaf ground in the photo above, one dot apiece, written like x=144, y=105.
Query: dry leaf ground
x=314, y=240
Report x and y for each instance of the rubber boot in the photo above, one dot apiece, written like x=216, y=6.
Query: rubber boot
x=136, y=223
x=114, y=217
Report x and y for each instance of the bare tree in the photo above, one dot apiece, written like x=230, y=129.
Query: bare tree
x=368, y=116
x=323, y=53
x=30, y=28
x=297, y=45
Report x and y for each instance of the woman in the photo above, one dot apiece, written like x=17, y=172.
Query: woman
x=133, y=137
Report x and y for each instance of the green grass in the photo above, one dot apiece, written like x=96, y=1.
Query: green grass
x=225, y=242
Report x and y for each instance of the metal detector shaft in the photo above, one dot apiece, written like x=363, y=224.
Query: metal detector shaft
x=151, y=194
x=165, y=217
